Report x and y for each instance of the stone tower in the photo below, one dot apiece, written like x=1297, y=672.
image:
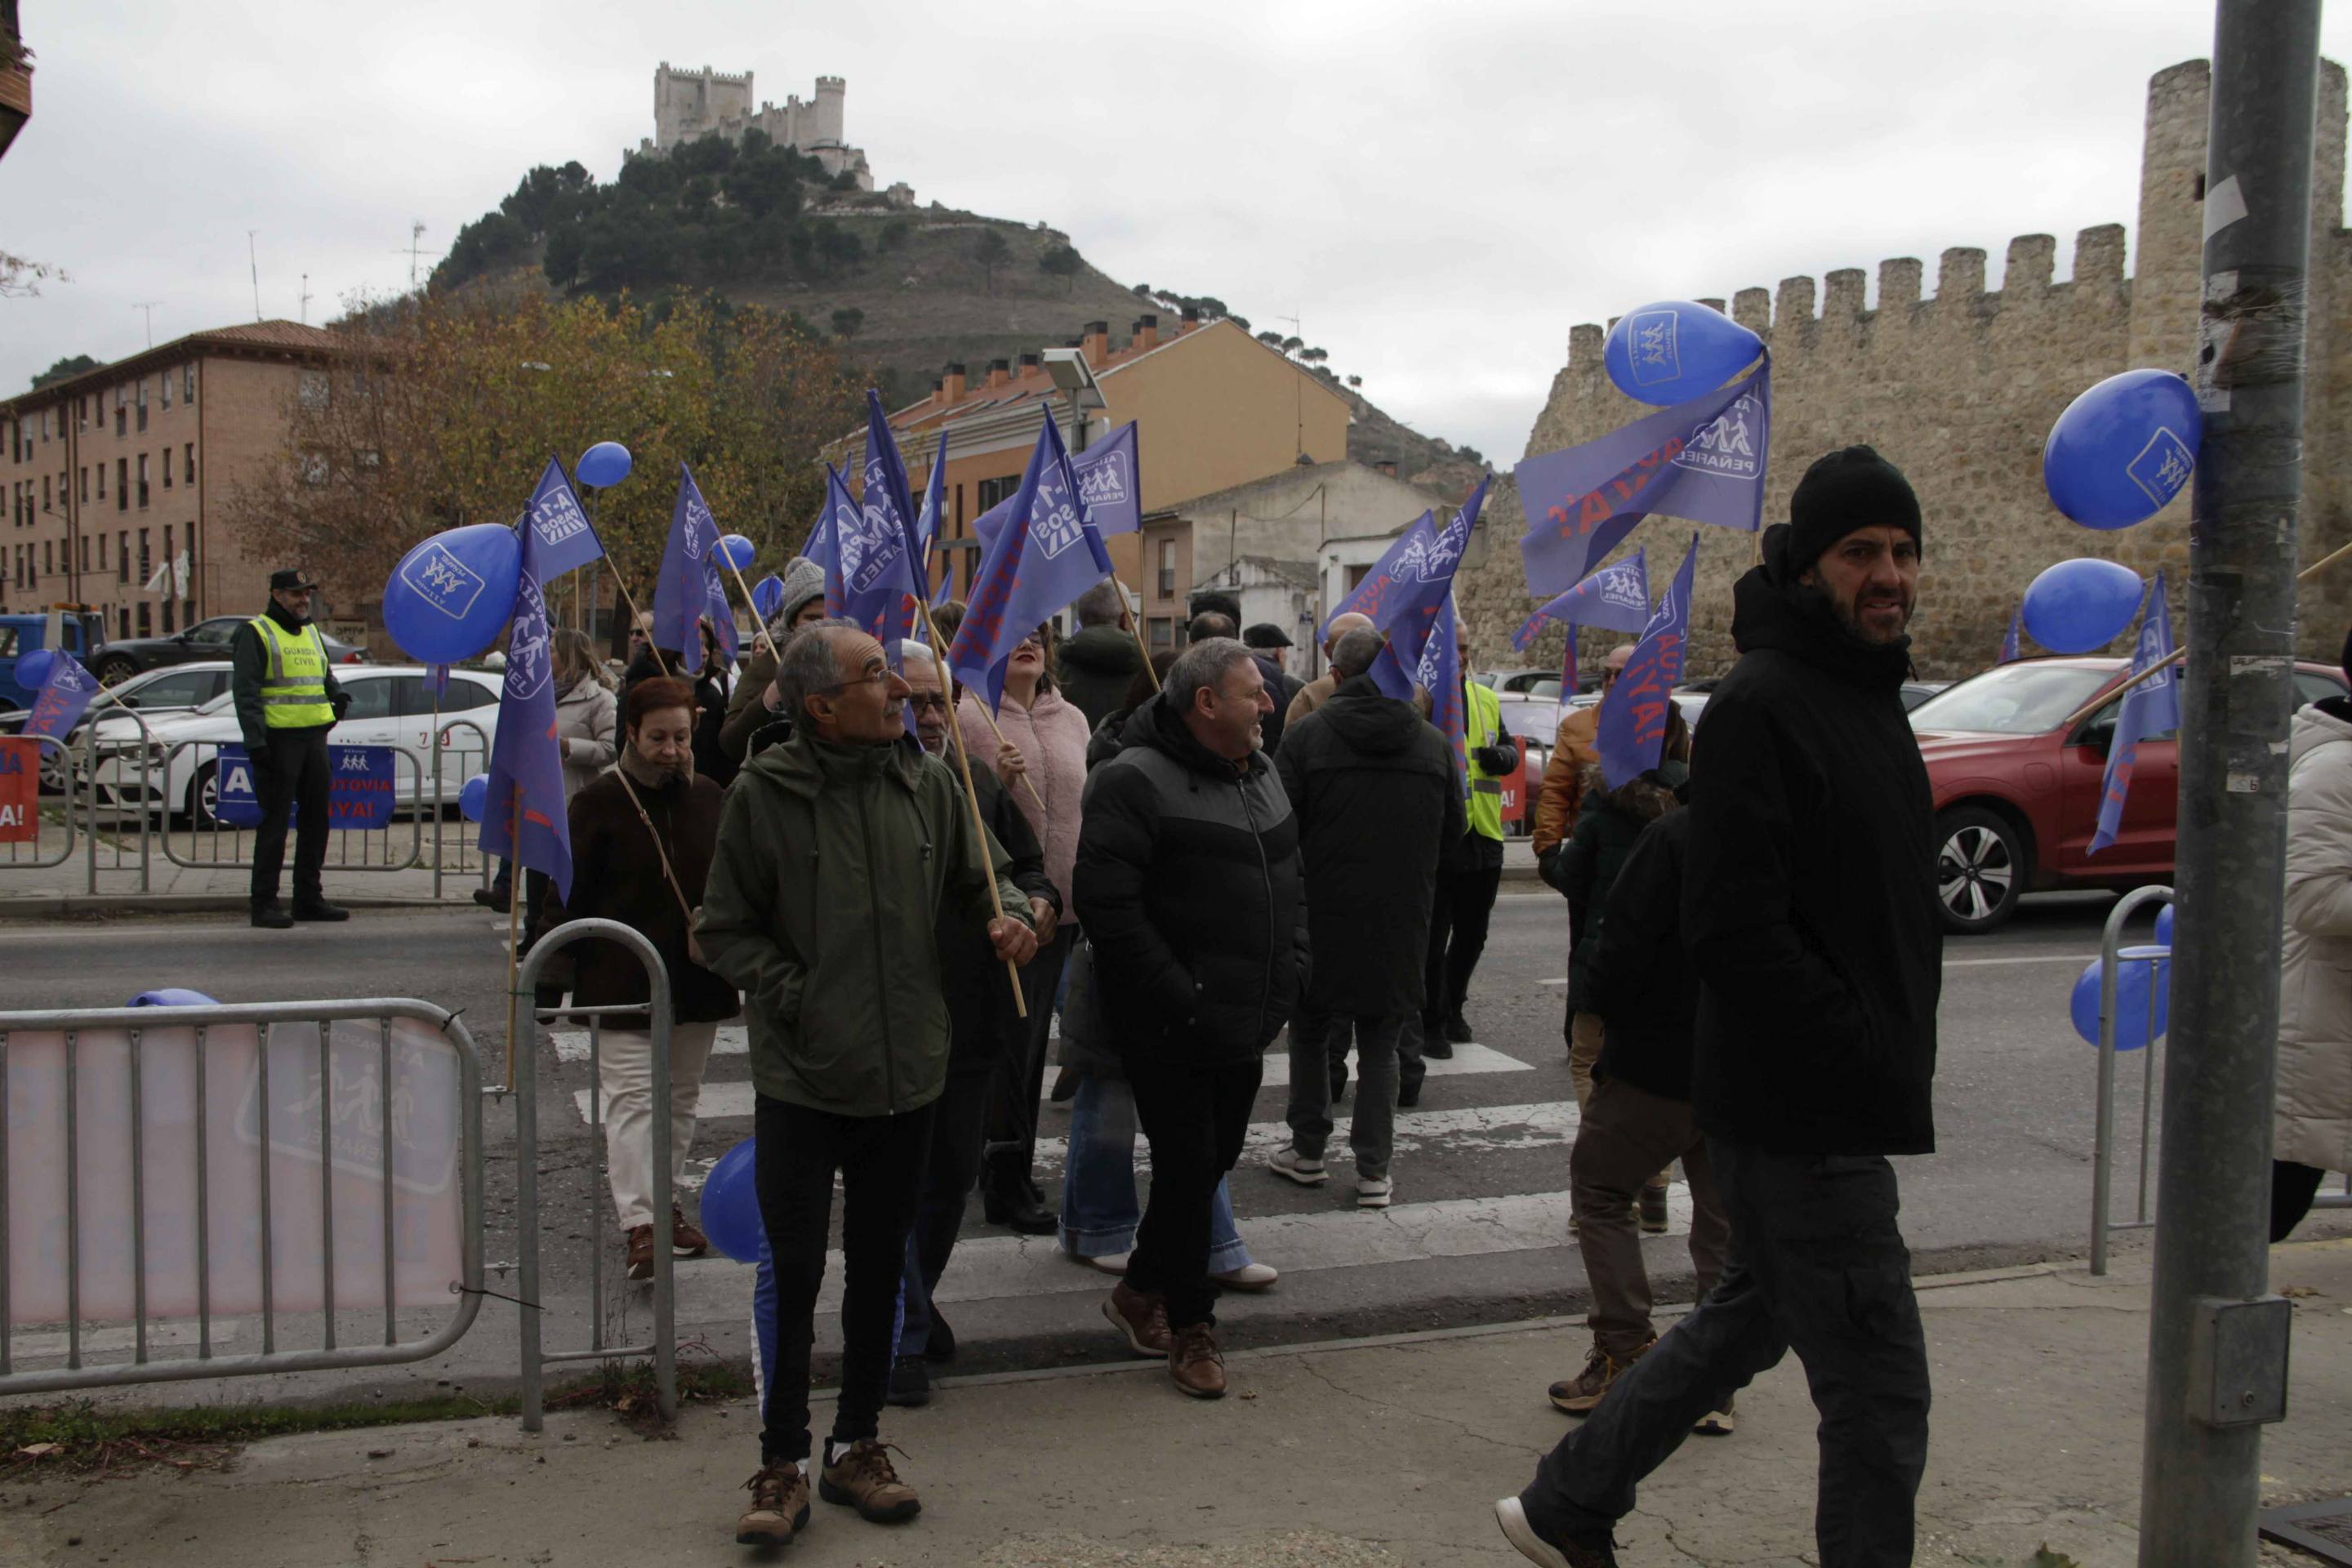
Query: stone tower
x=689, y=105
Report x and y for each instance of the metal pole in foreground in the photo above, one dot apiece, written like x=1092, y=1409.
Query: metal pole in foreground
x=2217, y=1343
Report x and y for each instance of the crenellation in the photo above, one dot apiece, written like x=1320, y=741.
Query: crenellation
x=1752, y=309
x=1842, y=299
x=1584, y=343
x=1792, y=307
x=1898, y=282
x=690, y=105
x=1959, y=273
x=2099, y=254
x=2030, y=264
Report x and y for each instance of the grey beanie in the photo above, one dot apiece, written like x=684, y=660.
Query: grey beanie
x=804, y=581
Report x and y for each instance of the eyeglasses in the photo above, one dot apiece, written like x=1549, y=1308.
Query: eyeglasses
x=868, y=679
x=928, y=702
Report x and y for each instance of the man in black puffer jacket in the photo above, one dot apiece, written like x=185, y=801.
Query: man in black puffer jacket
x=1809, y=912
x=1188, y=880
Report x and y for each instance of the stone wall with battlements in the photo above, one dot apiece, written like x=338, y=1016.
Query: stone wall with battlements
x=691, y=104
x=1959, y=388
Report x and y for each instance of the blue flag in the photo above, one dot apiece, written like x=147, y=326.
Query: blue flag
x=1616, y=596
x=1047, y=556
x=935, y=496
x=526, y=774
x=1108, y=475
x=2008, y=645
x=1440, y=675
x=1632, y=734
x=65, y=696
x=2150, y=709
x=1703, y=460
x=1403, y=591
x=880, y=559
x=838, y=511
x=690, y=586
x=553, y=523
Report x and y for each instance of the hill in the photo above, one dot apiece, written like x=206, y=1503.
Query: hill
x=903, y=290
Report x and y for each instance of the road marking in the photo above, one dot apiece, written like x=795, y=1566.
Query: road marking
x=1012, y=1268
x=2035, y=958
x=734, y=1098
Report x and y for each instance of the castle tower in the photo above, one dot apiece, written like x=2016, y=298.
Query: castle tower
x=824, y=120
x=692, y=104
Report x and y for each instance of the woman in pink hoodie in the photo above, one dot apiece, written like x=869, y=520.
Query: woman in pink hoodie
x=1042, y=759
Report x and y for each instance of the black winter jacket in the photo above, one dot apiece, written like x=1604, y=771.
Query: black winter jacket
x=1372, y=784
x=1809, y=898
x=1188, y=884
x=1589, y=862
x=1093, y=668
x=979, y=992
x=1637, y=977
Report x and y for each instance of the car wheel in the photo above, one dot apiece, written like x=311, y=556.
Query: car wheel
x=203, y=795
x=113, y=669
x=1980, y=869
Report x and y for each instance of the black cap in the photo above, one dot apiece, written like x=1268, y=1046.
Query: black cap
x=1265, y=633
x=290, y=580
x=1851, y=488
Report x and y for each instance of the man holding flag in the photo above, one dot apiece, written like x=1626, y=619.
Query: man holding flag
x=1810, y=914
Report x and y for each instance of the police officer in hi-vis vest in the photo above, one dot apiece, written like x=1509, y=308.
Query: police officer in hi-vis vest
x=286, y=700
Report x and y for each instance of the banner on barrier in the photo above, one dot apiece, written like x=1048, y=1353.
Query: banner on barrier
x=359, y=793
x=20, y=790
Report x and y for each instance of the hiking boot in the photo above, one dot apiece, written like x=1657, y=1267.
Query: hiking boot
x=862, y=1478
x=1579, y=1394
x=1457, y=1028
x=1576, y=1552
x=1717, y=1423
x=1195, y=1363
x=641, y=1252
x=1141, y=1320
x=272, y=916
x=941, y=1346
x=1374, y=1192
x=780, y=1506
x=685, y=1238
x=1307, y=1170
x=319, y=909
x=910, y=1382
x=1654, y=1210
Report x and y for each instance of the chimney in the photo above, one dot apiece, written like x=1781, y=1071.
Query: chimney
x=999, y=372
x=1096, y=344
x=1387, y=466
x=938, y=392
x=1147, y=333
x=1029, y=362
x=1191, y=320
x=954, y=387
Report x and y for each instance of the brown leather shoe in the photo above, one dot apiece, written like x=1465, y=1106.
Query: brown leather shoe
x=1196, y=1362
x=685, y=1238
x=641, y=1252
x=780, y=1506
x=1578, y=1394
x=865, y=1480
x=1143, y=1319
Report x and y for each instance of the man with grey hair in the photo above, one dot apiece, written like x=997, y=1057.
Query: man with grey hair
x=839, y=852
x=1317, y=691
x=1188, y=880
x=1095, y=665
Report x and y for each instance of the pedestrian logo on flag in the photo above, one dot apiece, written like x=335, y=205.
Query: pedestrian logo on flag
x=1631, y=733
x=443, y=581
x=1617, y=596
x=554, y=524
x=556, y=517
x=1728, y=449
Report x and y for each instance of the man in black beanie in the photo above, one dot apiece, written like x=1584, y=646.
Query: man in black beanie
x=1810, y=914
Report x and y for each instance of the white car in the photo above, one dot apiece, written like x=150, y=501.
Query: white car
x=174, y=688
x=391, y=705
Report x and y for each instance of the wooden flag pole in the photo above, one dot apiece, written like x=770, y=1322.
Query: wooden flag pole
x=1136, y=631
x=635, y=619
x=752, y=604
x=1002, y=741
x=970, y=795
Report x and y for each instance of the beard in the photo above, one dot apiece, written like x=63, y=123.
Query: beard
x=1850, y=616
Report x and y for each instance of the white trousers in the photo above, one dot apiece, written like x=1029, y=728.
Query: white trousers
x=625, y=1071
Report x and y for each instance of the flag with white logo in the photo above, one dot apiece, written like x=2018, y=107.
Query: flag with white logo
x=1046, y=556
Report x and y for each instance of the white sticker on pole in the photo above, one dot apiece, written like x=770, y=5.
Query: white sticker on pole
x=2225, y=203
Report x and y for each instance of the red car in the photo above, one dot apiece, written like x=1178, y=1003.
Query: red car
x=2017, y=791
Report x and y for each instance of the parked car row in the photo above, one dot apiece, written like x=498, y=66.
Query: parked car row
x=208, y=639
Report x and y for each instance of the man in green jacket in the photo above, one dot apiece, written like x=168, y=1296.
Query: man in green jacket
x=839, y=851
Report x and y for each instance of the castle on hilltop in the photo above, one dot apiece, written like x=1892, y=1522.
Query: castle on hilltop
x=1959, y=388
x=690, y=105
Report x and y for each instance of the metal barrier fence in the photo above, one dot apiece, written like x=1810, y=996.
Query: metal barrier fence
x=2103, y=1145
x=524, y=1078
x=468, y=858
x=200, y=798
x=13, y=855
x=157, y=1169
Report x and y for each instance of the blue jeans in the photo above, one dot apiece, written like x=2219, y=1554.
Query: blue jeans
x=1099, y=1208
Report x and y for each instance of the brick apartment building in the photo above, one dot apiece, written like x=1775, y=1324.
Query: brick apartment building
x=119, y=478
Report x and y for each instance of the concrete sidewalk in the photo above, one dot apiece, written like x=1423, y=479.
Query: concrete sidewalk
x=1365, y=1453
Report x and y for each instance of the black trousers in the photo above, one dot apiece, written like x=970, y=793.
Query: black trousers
x=1817, y=1264
x=880, y=1159
x=1013, y=1104
x=1194, y=1118
x=955, y=1119
x=2292, y=1187
x=291, y=771
x=1458, y=936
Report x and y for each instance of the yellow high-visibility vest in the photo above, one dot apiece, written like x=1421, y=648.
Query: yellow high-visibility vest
x=1483, y=724
x=294, y=688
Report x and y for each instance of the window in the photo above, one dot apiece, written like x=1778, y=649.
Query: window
x=181, y=688
x=123, y=484
x=146, y=568
x=122, y=414
x=1167, y=568
x=101, y=481
x=123, y=620
x=122, y=560
x=311, y=391
x=85, y=482
x=82, y=412
x=188, y=384
x=167, y=468
x=166, y=379
x=214, y=633
x=142, y=403
x=142, y=479
x=314, y=468
x=48, y=555
x=85, y=551
x=188, y=463
x=146, y=628
x=370, y=697
x=44, y=492
x=1163, y=631
x=101, y=552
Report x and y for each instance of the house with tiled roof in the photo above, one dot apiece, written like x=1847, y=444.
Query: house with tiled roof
x=113, y=482
x=1213, y=409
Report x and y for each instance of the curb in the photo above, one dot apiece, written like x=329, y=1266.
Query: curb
x=107, y=906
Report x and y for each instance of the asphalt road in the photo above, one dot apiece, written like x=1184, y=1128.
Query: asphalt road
x=1478, y=1230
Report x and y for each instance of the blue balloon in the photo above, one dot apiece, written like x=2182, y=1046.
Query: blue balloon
x=2164, y=927
x=2141, y=966
x=473, y=795
x=2123, y=449
x=34, y=669
x=447, y=598
x=768, y=597
x=603, y=465
x=2081, y=605
x=730, y=1205
x=1675, y=350
x=172, y=996
x=736, y=551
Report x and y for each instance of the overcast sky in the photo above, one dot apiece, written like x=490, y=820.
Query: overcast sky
x=1437, y=191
